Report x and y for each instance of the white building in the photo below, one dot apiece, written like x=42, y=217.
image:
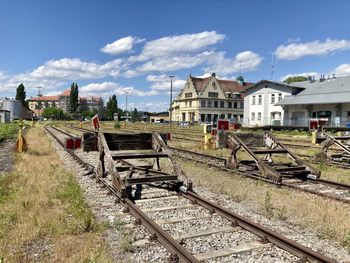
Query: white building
x=260, y=101
x=328, y=97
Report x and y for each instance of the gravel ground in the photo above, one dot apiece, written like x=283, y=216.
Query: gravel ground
x=107, y=211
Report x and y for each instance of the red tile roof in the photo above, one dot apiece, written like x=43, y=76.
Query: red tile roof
x=225, y=85
x=65, y=92
x=45, y=98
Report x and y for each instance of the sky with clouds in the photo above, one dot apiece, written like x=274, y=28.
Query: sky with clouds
x=131, y=47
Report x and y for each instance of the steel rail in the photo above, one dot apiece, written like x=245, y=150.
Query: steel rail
x=255, y=175
x=180, y=254
x=264, y=233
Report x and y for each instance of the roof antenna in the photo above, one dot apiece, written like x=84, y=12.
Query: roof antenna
x=39, y=93
x=273, y=60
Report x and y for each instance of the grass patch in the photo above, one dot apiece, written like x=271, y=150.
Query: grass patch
x=43, y=216
x=8, y=130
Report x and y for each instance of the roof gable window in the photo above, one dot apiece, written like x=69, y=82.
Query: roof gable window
x=213, y=94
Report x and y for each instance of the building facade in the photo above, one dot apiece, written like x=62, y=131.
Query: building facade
x=261, y=103
x=209, y=99
x=61, y=101
x=324, y=98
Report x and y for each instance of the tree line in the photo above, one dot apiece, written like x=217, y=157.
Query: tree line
x=76, y=112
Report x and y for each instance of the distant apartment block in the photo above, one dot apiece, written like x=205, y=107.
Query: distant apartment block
x=61, y=101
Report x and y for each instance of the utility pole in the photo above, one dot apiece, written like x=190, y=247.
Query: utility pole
x=171, y=98
x=126, y=107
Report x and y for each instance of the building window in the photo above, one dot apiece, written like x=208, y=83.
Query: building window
x=203, y=103
x=253, y=116
x=228, y=95
x=253, y=100
x=272, y=98
x=259, y=116
x=279, y=96
x=229, y=116
x=188, y=95
x=222, y=104
x=185, y=104
x=260, y=100
x=229, y=104
x=241, y=105
x=216, y=104
x=237, y=96
x=190, y=104
x=213, y=94
x=210, y=103
x=202, y=117
x=235, y=105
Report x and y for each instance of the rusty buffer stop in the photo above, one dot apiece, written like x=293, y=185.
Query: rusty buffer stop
x=72, y=143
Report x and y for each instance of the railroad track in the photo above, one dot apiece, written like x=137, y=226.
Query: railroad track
x=322, y=187
x=194, y=229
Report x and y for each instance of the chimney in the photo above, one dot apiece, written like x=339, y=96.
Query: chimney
x=322, y=78
x=333, y=76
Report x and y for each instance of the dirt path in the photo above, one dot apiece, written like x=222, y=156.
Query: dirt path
x=6, y=155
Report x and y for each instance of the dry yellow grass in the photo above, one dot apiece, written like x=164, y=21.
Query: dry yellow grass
x=329, y=218
x=43, y=216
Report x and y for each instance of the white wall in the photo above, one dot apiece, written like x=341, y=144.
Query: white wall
x=265, y=89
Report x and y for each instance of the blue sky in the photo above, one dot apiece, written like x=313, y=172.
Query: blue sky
x=119, y=47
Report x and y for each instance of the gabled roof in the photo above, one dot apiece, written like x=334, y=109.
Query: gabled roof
x=44, y=98
x=273, y=82
x=65, y=93
x=226, y=85
x=326, y=92
x=199, y=83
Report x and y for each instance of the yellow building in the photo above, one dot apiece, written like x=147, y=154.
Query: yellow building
x=209, y=99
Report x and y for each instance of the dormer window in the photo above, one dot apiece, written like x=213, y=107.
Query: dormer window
x=188, y=95
x=213, y=94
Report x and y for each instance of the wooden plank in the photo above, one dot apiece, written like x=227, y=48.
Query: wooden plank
x=268, y=151
x=205, y=232
x=138, y=155
x=150, y=179
x=166, y=208
x=178, y=220
x=146, y=200
x=229, y=251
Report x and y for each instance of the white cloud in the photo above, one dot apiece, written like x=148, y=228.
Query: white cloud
x=55, y=73
x=121, y=45
x=162, y=82
x=304, y=74
x=245, y=61
x=3, y=76
x=106, y=89
x=178, y=44
x=315, y=48
x=166, y=64
x=341, y=70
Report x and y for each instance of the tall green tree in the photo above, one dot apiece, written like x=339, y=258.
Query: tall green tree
x=135, y=115
x=74, y=98
x=295, y=79
x=111, y=107
x=53, y=113
x=21, y=94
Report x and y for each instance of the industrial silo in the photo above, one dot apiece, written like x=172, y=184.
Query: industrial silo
x=14, y=106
